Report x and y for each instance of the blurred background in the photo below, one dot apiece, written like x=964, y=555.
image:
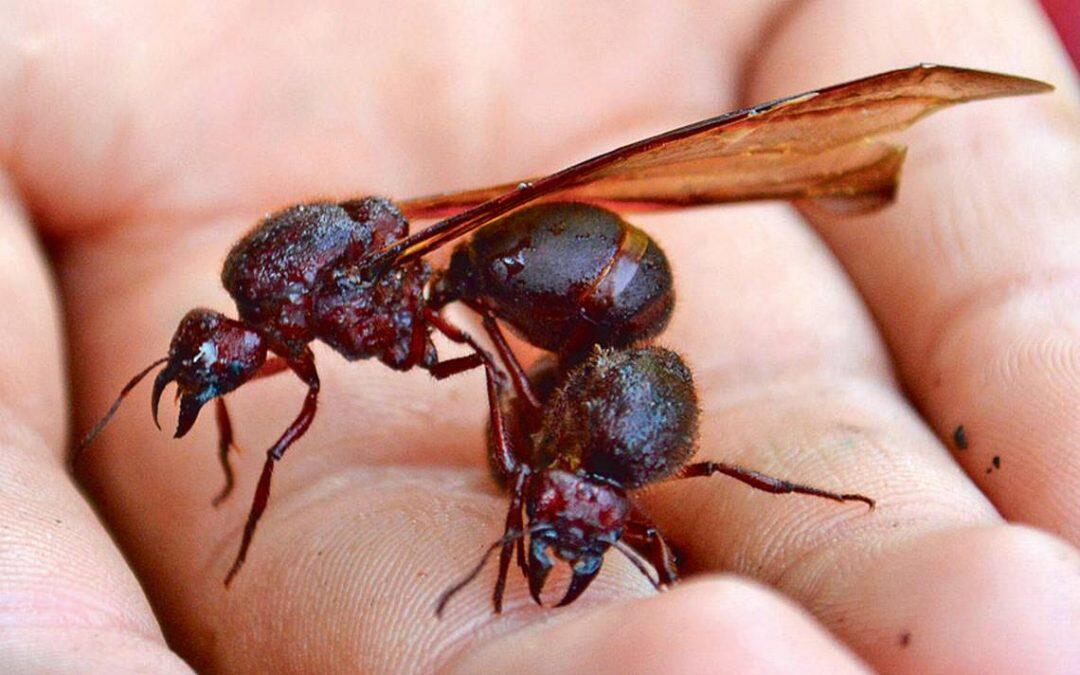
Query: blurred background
x=1066, y=17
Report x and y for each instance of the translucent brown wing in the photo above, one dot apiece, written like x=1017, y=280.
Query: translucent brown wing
x=817, y=144
x=868, y=169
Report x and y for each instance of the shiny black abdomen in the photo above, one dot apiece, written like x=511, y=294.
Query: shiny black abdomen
x=565, y=276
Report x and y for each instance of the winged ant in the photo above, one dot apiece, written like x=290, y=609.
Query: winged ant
x=349, y=274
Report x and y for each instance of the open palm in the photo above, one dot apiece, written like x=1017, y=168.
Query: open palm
x=143, y=139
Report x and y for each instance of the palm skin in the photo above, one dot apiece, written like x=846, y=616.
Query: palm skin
x=840, y=352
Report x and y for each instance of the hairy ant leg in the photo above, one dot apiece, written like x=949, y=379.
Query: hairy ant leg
x=304, y=366
x=226, y=439
x=646, y=541
x=766, y=483
x=526, y=394
x=480, y=356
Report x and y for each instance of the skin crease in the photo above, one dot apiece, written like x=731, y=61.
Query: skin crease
x=145, y=138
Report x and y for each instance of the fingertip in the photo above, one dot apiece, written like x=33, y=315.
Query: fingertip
x=978, y=599
x=692, y=628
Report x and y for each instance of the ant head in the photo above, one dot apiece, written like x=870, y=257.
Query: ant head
x=578, y=519
x=210, y=355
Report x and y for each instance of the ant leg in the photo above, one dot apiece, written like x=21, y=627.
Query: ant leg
x=226, y=440
x=766, y=483
x=513, y=532
x=507, y=458
x=225, y=443
x=522, y=385
x=451, y=367
x=647, y=541
x=514, y=523
x=273, y=366
x=304, y=367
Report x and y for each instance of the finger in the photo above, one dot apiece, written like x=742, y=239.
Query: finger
x=68, y=603
x=346, y=574
x=793, y=382
x=980, y=600
x=691, y=629
x=974, y=274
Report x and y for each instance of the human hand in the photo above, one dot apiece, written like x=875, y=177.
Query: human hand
x=144, y=140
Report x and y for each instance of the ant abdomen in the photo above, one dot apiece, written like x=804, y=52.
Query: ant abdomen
x=628, y=417
x=565, y=276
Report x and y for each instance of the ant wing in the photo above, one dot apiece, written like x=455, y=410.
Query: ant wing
x=868, y=171
x=813, y=145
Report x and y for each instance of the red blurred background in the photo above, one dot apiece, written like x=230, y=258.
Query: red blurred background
x=1066, y=17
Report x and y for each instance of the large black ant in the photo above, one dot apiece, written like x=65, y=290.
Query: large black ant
x=348, y=273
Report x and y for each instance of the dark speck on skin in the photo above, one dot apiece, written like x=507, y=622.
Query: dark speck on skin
x=959, y=437
x=905, y=639
x=996, y=461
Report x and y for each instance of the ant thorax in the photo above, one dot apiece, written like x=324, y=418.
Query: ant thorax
x=296, y=278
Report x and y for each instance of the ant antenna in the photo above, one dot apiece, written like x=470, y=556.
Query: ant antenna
x=89, y=438
x=450, y=592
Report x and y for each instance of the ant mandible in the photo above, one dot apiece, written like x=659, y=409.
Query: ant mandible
x=350, y=275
